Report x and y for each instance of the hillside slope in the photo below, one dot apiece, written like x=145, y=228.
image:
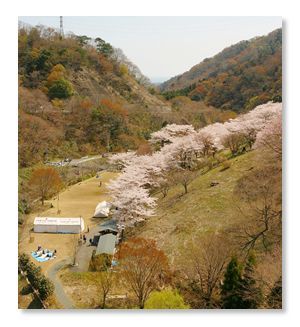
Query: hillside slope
x=78, y=98
x=205, y=210
x=243, y=75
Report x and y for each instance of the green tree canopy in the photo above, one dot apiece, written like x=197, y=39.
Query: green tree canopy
x=105, y=48
x=166, y=299
x=60, y=89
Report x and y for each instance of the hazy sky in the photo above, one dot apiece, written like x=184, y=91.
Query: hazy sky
x=163, y=47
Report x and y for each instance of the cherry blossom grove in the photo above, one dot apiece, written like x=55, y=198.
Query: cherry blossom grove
x=131, y=191
x=271, y=135
x=171, y=132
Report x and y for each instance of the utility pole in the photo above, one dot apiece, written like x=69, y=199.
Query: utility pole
x=58, y=210
x=61, y=27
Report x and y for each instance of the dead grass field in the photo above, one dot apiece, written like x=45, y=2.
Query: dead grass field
x=77, y=200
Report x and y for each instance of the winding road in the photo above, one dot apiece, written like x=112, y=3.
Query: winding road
x=60, y=294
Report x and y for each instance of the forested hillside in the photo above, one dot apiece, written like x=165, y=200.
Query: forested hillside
x=76, y=97
x=80, y=96
x=240, y=77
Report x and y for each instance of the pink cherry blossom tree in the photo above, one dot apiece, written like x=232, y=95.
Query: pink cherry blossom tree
x=122, y=159
x=181, y=147
x=271, y=136
x=170, y=132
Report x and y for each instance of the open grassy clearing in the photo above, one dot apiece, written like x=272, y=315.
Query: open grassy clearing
x=204, y=209
x=77, y=200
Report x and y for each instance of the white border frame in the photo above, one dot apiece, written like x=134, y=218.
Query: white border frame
x=8, y=300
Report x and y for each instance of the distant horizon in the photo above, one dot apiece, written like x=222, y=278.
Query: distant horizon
x=164, y=47
x=159, y=79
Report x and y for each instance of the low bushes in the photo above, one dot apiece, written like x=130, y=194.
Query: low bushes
x=38, y=281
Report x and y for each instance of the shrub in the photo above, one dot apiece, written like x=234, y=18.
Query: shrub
x=42, y=284
x=166, y=299
x=45, y=287
x=60, y=89
x=123, y=69
x=23, y=261
x=33, y=274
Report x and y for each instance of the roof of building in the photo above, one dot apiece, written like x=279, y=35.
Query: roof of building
x=57, y=221
x=106, y=244
x=109, y=225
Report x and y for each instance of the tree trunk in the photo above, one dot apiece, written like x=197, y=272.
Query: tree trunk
x=141, y=302
x=185, y=189
x=103, y=302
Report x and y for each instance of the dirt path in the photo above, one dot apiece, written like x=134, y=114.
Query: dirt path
x=60, y=294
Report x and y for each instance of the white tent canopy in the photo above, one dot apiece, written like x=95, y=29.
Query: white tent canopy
x=58, y=225
x=102, y=210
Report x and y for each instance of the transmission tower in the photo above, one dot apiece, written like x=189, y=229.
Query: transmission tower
x=61, y=26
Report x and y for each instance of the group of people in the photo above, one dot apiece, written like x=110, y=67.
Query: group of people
x=44, y=253
x=85, y=239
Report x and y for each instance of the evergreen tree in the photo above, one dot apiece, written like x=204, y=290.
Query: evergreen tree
x=230, y=292
x=250, y=292
x=275, y=296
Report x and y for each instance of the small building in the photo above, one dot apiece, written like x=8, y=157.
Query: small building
x=102, y=210
x=58, y=225
x=109, y=226
x=107, y=244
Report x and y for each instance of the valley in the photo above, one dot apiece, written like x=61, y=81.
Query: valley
x=188, y=173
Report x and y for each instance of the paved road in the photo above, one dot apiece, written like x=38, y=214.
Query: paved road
x=76, y=162
x=60, y=294
x=83, y=258
x=85, y=251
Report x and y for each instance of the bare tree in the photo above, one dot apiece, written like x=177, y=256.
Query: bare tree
x=184, y=177
x=164, y=188
x=260, y=192
x=207, y=258
x=105, y=282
